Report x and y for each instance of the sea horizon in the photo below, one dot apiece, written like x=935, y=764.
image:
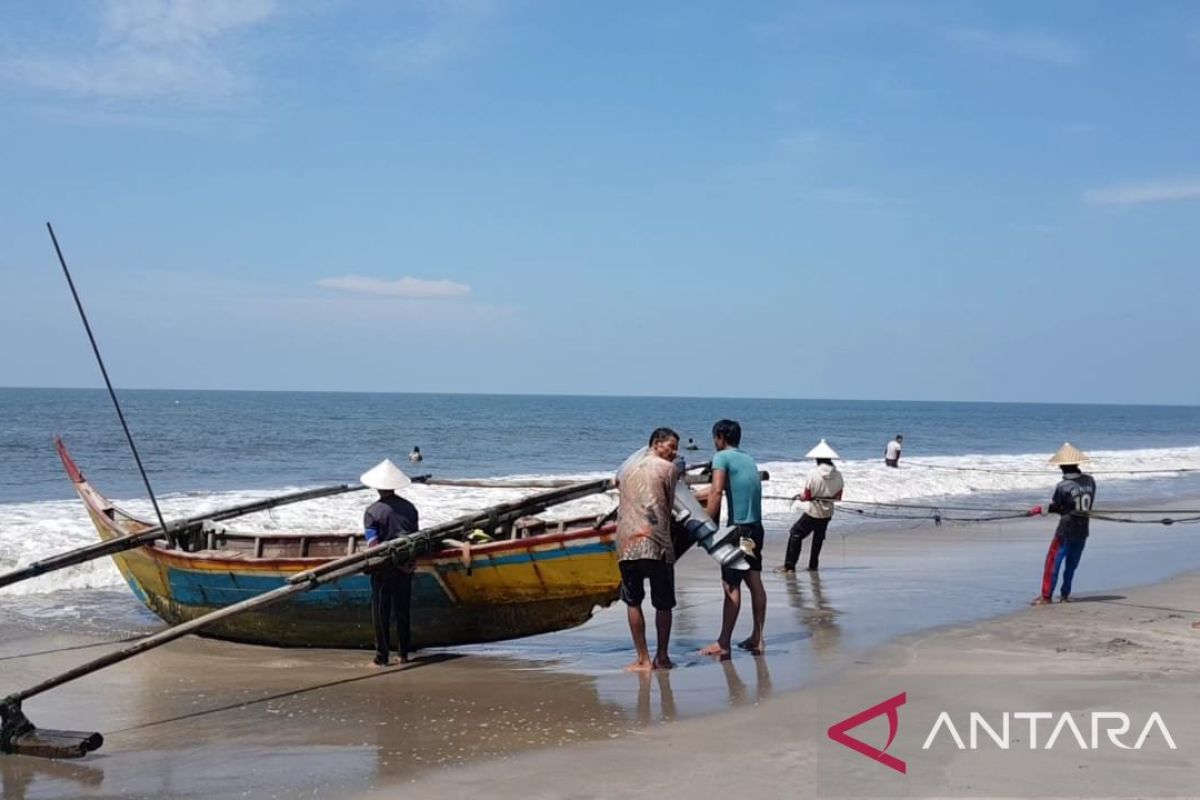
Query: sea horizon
x=617, y=396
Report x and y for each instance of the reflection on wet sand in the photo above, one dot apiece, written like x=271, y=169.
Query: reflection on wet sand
x=23, y=777
x=815, y=611
x=666, y=697
x=738, y=691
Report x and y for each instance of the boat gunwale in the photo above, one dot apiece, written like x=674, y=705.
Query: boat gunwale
x=103, y=511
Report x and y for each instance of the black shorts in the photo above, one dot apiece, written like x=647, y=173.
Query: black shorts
x=892, y=462
x=662, y=583
x=754, y=532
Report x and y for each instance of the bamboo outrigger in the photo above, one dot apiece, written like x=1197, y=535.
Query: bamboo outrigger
x=314, y=576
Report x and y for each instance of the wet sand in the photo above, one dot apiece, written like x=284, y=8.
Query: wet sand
x=202, y=718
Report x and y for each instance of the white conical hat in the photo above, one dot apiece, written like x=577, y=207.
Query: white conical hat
x=1067, y=455
x=385, y=475
x=822, y=450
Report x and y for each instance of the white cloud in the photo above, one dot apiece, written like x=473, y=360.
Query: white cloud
x=147, y=50
x=1026, y=45
x=1133, y=194
x=403, y=287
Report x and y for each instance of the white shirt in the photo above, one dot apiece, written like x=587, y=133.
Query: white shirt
x=893, y=450
x=824, y=482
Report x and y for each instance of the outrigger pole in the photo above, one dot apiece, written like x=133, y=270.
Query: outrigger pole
x=96, y=349
x=178, y=529
x=19, y=735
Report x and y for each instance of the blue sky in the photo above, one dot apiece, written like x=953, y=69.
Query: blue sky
x=976, y=201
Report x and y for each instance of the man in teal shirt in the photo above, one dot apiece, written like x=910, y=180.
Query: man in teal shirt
x=735, y=475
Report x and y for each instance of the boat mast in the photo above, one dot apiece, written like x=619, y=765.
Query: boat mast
x=162, y=523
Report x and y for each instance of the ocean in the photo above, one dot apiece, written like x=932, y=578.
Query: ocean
x=208, y=449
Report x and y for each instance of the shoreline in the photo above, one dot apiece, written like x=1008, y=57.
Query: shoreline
x=1136, y=649
x=219, y=719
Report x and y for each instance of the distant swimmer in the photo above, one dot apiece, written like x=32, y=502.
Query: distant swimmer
x=415, y=456
x=1072, y=499
x=691, y=445
x=822, y=487
x=891, y=453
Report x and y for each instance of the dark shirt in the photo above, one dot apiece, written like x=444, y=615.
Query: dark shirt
x=390, y=517
x=1075, y=492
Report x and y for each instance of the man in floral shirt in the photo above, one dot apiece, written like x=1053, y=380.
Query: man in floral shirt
x=644, y=547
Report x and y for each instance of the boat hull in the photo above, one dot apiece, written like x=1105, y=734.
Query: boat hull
x=549, y=587
x=500, y=590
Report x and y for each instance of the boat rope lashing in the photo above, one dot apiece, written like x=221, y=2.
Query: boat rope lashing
x=465, y=554
x=401, y=555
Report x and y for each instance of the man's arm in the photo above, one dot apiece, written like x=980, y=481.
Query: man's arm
x=1057, y=505
x=713, y=506
x=370, y=530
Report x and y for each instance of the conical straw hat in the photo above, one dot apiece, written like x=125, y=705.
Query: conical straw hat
x=385, y=475
x=822, y=450
x=1067, y=455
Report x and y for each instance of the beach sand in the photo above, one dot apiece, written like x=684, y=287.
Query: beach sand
x=554, y=716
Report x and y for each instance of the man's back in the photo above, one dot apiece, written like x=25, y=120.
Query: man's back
x=647, y=491
x=743, y=487
x=390, y=517
x=824, y=483
x=1075, y=492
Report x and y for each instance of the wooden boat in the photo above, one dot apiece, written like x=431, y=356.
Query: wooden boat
x=535, y=578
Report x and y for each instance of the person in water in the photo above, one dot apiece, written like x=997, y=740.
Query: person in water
x=691, y=445
x=1073, y=498
x=415, y=456
x=891, y=453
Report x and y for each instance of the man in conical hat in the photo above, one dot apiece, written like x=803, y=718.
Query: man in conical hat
x=822, y=486
x=388, y=518
x=1072, y=500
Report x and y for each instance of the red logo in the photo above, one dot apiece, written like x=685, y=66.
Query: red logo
x=838, y=733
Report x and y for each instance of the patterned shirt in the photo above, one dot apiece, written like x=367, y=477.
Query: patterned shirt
x=1075, y=492
x=647, y=492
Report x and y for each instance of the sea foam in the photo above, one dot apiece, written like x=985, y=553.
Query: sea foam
x=35, y=530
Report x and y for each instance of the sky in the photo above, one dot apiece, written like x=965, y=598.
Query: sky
x=872, y=200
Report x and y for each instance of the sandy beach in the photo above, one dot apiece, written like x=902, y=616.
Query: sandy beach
x=892, y=610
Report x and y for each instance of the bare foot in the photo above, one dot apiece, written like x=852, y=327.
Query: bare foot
x=714, y=649
x=663, y=662
x=640, y=666
x=752, y=646
x=1065, y=598
x=377, y=664
x=785, y=571
x=1040, y=601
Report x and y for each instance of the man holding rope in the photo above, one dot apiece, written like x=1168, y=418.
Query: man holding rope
x=1073, y=498
x=822, y=487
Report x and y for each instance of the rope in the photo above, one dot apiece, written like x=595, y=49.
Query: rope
x=879, y=510
x=126, y=640
x=1164, y=471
